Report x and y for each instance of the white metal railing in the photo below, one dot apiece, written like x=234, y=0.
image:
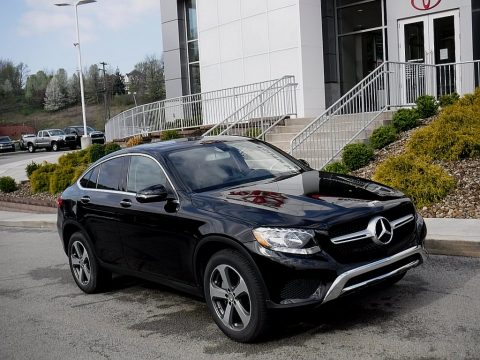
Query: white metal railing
x=389, y=86
x=275, y=102
x=190, y=111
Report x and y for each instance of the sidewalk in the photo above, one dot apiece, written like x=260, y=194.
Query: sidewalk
x=459, y=237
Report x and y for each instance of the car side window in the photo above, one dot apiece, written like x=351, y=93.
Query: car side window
x=110, y=175
x=89, y=181
x=144, y=172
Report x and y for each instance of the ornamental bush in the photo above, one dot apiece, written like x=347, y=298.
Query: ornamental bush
x=447, y=100
x=383, y=136
x=336, y=167
x=111, y=147
x=427, y=106
x=40, y=179
x=31, y=168
x=415, y=176
x=355, y=156
x=134, y=141
x=169, y=135
x=7, y=184
x=405, y=119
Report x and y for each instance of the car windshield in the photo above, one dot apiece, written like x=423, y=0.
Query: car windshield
x=215, y=165
x=4, y=139
x=80, y=130
x=56, y=132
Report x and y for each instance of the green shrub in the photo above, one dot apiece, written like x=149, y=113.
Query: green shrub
x=111, y=147
x=74, y=159
x=355, y=156
x=61, y=178
x=95, y=152
x=447, y=100
x=31, y=168
x=383, y=136
x=40, y=179
x=455, y=134
x=169, y=135
x=336, y=167
x=405, y=119
x=7, y=184
x=415, y=176
x=427, y=106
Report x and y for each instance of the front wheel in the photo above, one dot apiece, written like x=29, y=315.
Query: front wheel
x=86, y=271
x=235, y=296
x=55, y=146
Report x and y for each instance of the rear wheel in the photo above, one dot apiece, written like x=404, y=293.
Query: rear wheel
x=235, y=296
x=86, y=271
x=31, y=148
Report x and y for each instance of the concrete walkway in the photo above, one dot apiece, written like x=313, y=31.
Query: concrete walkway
x=16, y=169
x=445, y=236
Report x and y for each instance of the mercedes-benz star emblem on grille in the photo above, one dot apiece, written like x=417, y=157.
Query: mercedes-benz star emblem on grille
x=381, y=229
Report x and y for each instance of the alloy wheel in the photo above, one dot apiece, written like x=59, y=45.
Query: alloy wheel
x=80, y=263
x=230, y=297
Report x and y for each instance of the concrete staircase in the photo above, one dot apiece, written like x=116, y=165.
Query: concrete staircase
x=344, y=130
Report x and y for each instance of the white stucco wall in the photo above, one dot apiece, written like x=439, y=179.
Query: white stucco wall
x=247, y=41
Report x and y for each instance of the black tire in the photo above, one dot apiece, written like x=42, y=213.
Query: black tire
x=31, y=148
x=48, y=148
x=55, y=146
x=237, y=267
x=99, y=278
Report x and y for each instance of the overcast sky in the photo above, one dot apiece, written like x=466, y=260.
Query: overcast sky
x=41, y=35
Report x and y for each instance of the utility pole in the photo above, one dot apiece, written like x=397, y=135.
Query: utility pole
x=107, y=108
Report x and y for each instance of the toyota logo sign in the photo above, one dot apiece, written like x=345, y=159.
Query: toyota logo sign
x=425, y=4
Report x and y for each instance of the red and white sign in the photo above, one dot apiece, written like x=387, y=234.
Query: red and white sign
x=425, y=4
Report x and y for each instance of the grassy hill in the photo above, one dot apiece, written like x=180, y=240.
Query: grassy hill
x=41, y=119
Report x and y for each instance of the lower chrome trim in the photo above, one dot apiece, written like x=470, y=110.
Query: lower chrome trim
x=338, y=286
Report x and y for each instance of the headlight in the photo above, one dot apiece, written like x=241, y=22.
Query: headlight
x=293, y=241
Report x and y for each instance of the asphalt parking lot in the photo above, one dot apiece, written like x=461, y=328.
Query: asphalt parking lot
x=432, y=314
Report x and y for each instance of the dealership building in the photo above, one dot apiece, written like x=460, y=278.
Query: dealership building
x=327, y=45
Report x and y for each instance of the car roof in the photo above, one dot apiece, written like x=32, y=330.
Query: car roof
x=158, y=148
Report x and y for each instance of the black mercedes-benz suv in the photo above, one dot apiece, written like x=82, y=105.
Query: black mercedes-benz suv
x=238, y=222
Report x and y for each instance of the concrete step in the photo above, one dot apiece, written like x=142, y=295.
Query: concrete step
x=298, y=121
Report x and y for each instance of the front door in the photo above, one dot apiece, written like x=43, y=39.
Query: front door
x=433, y=40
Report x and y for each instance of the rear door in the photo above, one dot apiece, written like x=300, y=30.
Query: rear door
x=99, y=207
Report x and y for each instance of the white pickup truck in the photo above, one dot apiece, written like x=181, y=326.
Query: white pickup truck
x=51, y=139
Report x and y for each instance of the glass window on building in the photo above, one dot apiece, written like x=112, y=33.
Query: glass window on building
x=192, y=47
x=360, y=34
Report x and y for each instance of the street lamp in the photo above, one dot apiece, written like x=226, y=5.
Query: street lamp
x=86, y=141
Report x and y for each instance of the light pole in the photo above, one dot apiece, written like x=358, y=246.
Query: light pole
x=86, y=141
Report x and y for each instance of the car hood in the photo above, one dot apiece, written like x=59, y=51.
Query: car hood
x=307, y=199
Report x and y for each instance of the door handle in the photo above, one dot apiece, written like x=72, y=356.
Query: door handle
x=85, y=199
x=126, y=203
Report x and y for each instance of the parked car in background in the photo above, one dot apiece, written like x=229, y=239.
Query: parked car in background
x=238, y=222
x=24, y=140
x=51, y=139
x=98, y=137
x=6, y=144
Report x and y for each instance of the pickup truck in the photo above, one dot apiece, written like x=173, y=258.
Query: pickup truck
x=51, y=139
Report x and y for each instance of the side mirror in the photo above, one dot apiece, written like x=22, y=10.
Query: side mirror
x=304, y=163
x=152, y=194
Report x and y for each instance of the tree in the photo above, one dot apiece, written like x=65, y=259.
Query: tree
x=55, y=99
x=73, y=90
x=35, y=88
x=118, y=83
x=92, y=85
x=147, y=79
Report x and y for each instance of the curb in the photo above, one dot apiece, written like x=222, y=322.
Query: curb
x=40, y=224
x=450, y=247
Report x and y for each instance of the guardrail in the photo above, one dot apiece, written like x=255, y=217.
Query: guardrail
x=388, y=87
x=191, y=111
